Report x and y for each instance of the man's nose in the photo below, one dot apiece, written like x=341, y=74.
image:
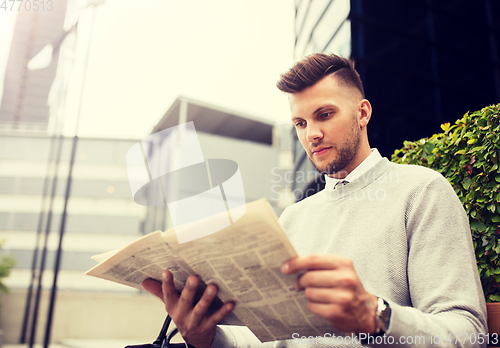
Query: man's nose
x=313, y=132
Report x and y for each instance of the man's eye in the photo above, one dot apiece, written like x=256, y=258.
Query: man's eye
x=325, y=115
x=300, y=124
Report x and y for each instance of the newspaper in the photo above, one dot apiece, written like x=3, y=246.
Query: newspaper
x=242, y=260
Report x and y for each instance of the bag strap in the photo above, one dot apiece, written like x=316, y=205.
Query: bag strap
x=163, y=341
x=161, y=336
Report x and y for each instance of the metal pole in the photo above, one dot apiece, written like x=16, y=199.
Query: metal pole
x=57, y=263
x=44, y=251
x=17, y=113
x=29, y=295
x=34, y=315
x=53, y=292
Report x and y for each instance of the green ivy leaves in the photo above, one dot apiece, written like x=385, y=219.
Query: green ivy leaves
x=7, y=262
x=466, y=153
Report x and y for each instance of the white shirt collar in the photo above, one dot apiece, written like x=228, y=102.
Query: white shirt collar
x=359, y=171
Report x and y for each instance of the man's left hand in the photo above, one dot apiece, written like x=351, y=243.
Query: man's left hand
x=334, y=291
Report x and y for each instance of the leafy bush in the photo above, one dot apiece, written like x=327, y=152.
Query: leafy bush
x=467, y=154
x=6, y=265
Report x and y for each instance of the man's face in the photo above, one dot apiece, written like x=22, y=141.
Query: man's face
x=326, y=118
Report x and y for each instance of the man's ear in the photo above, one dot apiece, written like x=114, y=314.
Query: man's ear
x=365, y=112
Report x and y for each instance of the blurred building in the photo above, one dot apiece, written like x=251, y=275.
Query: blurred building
x=24, y=101
x=102, y=216
x=423, y=63
x=101, y=213
x=251, y=142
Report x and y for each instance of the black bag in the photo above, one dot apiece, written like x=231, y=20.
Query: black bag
x=163, y=340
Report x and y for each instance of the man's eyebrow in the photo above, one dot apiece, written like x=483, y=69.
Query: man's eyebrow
x=322, y=107
x=318, y=110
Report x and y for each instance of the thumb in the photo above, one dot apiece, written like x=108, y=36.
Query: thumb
x=153, y=287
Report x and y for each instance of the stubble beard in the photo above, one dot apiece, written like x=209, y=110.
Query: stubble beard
x=345, y=154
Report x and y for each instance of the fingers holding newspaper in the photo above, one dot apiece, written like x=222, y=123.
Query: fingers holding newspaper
x=193, y=324
x=334, y=291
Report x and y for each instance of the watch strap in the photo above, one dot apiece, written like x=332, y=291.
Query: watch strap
x=382, y=317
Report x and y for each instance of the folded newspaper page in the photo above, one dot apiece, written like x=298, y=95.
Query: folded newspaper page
x=243, y=260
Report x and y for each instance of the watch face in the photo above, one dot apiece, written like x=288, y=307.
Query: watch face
x=385, y=317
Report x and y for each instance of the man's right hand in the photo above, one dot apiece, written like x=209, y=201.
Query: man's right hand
x=193, y=324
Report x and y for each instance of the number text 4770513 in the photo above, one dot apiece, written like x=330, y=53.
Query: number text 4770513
x=26, y=5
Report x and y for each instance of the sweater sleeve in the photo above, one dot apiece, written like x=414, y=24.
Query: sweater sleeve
x=448, y=307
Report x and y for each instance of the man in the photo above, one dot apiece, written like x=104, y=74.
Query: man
x=387, y=248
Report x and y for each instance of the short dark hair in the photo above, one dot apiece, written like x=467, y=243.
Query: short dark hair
x=314, y=67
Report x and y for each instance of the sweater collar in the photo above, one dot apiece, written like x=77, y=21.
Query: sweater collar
x=368, y=163
x=349, y=189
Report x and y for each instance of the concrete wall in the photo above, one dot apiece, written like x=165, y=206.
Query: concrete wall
x=137, y=317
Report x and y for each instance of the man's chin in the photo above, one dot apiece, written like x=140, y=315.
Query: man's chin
x=328, y=169
x=323, y=169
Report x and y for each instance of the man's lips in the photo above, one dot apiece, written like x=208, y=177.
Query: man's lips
x=318, y=151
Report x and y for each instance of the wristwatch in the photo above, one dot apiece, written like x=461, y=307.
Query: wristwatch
x=382, y=318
